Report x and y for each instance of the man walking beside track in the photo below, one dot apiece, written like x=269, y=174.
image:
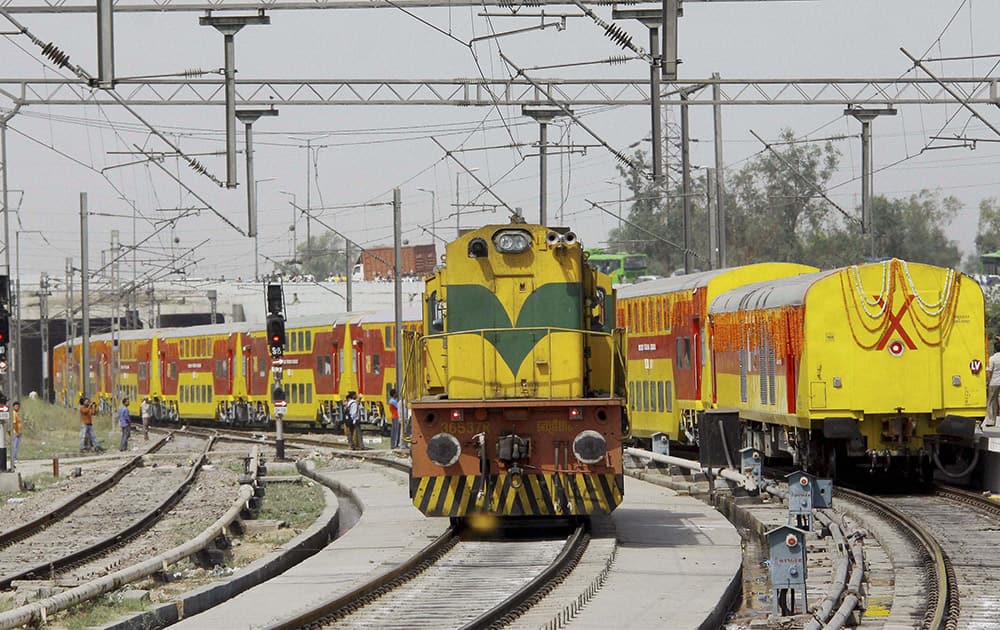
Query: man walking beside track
x=146, y=413
x=87, y=438
x=352, y=421
x=395, y=437
x=992, y=386
x=17, y=431
x=125, y=420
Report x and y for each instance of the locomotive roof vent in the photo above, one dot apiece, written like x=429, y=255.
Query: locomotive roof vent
x=478, y=248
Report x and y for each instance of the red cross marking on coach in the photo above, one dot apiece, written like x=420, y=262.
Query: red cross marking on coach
x=895, y=325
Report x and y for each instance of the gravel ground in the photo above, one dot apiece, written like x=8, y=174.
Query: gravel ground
x=27, y=506
x=212, y=493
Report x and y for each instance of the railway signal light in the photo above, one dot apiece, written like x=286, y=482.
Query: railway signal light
x=278, y=395
x=275, y=299
x=276, y=334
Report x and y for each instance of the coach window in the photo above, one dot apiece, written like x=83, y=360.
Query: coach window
x=631, y=395
x=376, y=364
x=309, y=340
x=687, y=352
x=388, y=337
x=309, y=392
x=173, y=371
x=659, y=396
x=670, y=396
x=645, y=396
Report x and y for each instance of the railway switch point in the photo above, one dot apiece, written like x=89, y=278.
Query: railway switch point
x=661, y=443
x=805, y=493
x=750, y=465
x=788, y=568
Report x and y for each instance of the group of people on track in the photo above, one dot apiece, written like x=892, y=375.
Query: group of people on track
x=88, y=409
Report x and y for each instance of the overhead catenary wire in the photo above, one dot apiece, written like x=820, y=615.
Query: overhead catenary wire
x=61, y=59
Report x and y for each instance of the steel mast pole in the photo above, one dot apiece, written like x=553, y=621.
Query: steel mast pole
x=720, y=181
x=397, y=238
x=84, y=300
x=43, y=307
x=686, y=180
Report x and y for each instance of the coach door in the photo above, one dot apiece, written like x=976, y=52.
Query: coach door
x=168, y=369
x=696, y=352
x=359, y=363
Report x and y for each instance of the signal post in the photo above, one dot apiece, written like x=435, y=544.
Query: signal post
x=275, y=296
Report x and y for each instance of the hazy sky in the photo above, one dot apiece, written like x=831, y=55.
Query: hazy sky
x=370, y=150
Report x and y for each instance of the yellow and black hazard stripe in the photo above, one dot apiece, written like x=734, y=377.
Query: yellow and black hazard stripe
x=547, y=494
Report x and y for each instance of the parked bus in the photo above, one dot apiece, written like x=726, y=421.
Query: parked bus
x=622, y=267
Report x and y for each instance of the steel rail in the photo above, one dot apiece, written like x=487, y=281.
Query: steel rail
x=235, y=435
x=115, y=539
x=369, y=591
x=942, y=589
x=508, y=610
x=20, y=532
x=36, y=612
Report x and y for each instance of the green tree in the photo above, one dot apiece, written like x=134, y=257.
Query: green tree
x=910, y=228
x=322, y=256
x=655, y=224
x=988, y=234
x=773, y=204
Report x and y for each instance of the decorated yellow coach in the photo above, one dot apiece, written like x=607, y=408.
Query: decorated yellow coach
x=875, y=361
x=669, y=363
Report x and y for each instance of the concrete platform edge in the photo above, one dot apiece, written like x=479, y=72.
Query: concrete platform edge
x=731, y=597
x=304, y=545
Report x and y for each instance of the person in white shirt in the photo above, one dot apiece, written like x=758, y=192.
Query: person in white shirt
x=145, y=412
x=992, y=386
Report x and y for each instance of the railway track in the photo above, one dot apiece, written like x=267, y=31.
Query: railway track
x=478, y=584
x=967, y=527
x=131, y=500
x=919, y=559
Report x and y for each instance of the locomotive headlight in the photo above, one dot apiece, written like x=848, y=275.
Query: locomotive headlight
x=443, y=449
x=589, y=447
x=512, y=241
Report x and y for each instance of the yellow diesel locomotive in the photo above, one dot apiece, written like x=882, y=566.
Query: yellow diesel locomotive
x=517, y=395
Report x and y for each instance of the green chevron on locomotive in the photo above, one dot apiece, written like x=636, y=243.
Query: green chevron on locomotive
x=474, y=307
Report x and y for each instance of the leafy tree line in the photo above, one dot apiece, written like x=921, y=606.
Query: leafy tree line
x=776, y=211
x=322, y=256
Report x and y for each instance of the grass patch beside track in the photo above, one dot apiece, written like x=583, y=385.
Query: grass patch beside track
x=55, y=430
x=298, y=504
x=97, y=613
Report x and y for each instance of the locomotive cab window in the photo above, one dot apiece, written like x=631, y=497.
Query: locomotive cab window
x=435, y=312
